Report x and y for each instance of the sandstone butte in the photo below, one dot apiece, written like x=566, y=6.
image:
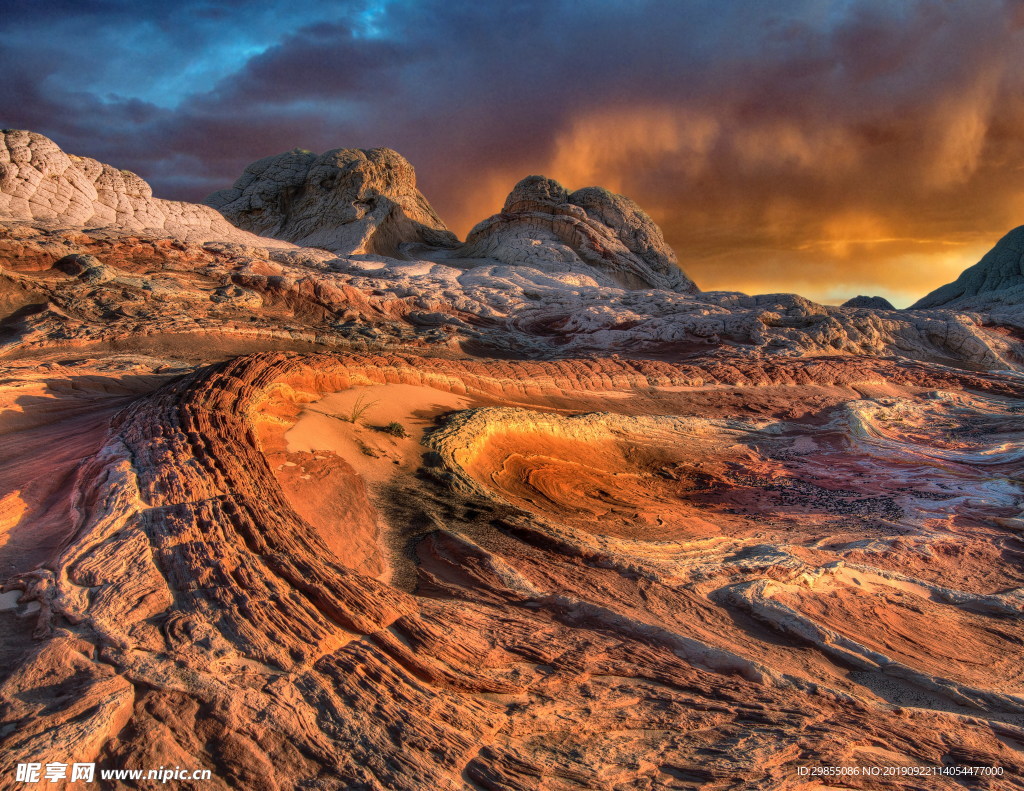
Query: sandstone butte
x=299, y=488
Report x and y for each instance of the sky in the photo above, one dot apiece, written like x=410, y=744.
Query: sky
x=825, y=148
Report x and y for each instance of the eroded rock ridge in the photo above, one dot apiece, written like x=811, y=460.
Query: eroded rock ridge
x=387, y=511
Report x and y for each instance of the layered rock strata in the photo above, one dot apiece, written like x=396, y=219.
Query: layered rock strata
x=281, y=513
x=198, y=615
x=139, y=286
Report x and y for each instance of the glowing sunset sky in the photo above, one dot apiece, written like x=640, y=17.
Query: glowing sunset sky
x=828, y=148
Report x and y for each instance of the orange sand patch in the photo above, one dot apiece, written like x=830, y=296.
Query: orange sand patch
x=373, y=454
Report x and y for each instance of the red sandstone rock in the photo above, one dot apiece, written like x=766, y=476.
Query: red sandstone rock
x=793, y=540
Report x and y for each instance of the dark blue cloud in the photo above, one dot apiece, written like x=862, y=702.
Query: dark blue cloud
x=746, y=123
x=476, y=76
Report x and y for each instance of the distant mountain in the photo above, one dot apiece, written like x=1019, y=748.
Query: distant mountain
x=997, y=280
x=875, y=303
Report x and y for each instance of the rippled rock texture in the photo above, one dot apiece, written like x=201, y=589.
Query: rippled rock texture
x=315, y=521
x=346, y=200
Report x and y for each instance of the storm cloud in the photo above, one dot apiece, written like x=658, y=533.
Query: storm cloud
x=828, y=148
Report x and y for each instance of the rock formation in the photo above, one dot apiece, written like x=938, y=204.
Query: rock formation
x=875, y=303
x=997, y=280
x=347, y=200
x=590, y=231
x=309, y=519
x=39, y=182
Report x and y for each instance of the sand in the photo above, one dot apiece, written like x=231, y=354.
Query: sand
x=324, y=426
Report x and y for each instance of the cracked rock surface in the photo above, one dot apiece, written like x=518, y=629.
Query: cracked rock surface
x=385, y=511
x=346, y=200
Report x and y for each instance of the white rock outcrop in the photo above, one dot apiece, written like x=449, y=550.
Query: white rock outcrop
x=347, y=200
x=591, y=231
x=38, y=181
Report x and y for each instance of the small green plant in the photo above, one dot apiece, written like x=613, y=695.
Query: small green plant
x=355, y=414
x=368, y=451
x=395, y=429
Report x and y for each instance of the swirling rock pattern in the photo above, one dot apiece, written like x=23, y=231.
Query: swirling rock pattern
x=624, y=628
x=318, y=521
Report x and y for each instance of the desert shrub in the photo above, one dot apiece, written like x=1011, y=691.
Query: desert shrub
x=395, y=429
x=355, y=414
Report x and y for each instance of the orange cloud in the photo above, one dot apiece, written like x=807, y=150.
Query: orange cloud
x=615, y=142
x=883, y=156
x=829, y=210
